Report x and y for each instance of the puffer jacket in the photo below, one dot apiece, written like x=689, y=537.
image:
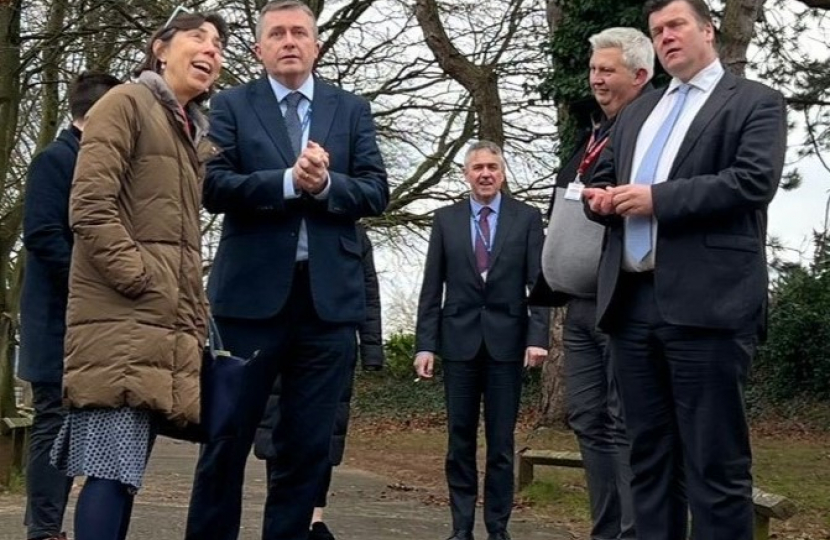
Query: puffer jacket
x=136, y=318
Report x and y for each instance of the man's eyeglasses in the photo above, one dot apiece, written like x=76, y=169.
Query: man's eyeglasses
x=179, y=9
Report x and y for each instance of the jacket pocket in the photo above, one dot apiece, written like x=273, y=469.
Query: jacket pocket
x=449, y=310
x=350, y=246
x=737, y=242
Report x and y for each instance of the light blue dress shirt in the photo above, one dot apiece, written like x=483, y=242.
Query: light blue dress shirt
x=304, y=110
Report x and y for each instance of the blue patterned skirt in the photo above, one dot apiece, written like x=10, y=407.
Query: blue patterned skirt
x=111, y=444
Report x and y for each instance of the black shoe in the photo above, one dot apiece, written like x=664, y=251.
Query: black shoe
x=319, y=531
x=461, y=535
x=504, y=535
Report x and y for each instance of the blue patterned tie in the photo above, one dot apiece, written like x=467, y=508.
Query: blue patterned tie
x=638, y=228
x=292, y=121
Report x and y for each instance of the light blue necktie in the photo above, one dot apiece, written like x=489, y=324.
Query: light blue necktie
x=638, y=228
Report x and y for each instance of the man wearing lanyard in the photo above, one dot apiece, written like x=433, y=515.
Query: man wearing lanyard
x=621, y=65
x=483, y=255
x=299, y=166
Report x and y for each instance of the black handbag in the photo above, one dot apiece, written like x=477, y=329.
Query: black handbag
x=223, y=380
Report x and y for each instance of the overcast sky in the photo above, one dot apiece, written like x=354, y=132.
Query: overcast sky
x=795, y=214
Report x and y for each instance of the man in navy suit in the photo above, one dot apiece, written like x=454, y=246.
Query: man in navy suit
x=48, y=241
x=484, y=252
x=299, y=166
x=682, y=284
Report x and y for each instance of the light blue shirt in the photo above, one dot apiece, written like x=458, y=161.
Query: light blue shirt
x=492, y=219
x=304, y=110
x=703, y=85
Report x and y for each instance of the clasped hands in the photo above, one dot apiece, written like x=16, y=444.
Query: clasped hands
x=311, y=171
x=627, y=200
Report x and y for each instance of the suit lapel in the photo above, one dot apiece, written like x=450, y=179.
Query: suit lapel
x=267, y=108
x=461, y=221
x=323, y=111
x=720, y=95
x=628, y=144
x=506, y=219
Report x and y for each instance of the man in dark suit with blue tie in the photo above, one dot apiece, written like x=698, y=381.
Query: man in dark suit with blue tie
x=299, y=166
x=484, y=253
x=683, y=189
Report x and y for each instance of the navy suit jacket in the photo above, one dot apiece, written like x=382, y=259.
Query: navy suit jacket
x=458, y=311
x=48, y=241
x=254, y=265
x=710, y=267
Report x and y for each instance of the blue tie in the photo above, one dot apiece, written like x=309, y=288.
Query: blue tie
x=638, y=228
x=292, y=121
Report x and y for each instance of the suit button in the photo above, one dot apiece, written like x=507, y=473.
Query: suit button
x=483, y=308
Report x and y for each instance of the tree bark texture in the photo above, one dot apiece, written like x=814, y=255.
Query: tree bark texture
x=553, y=409
x=10, y=222
x=481, y=81
x=737, y=30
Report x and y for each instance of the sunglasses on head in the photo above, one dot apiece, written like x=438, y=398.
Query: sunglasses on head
x=179, y=9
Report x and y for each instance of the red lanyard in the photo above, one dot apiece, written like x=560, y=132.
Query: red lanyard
x=592, y=152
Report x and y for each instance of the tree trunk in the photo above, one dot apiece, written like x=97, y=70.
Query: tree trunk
x=50, y=111
x=481, y=81
x=10, y=222
x=737, y=30
x=553, y=409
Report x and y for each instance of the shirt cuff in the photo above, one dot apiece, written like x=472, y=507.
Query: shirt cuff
x=288, y=189
x=325, y=193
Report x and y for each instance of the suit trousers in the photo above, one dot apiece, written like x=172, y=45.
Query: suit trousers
x=466, y=384
x=47, y=489
x=321, y=499
x=312, y=357
x=595, y=415
x=682, y=393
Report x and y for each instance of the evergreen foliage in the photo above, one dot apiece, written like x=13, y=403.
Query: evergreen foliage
x=795, y=361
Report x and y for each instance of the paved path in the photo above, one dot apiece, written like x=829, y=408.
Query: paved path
x=362, y=506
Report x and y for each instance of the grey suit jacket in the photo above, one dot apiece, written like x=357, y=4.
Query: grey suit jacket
x=458, y=311
x=710, y=266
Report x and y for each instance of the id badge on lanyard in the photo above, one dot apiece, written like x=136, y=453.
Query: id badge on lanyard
x=592, y=152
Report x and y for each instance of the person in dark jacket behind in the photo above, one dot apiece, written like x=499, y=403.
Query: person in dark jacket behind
x=48, y=241
x=372, y=358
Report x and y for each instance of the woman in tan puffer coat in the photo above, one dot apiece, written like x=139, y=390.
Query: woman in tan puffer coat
x=136, y=318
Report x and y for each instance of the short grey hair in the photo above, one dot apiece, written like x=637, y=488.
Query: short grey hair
x=489, y=146
x=636, y=47
x=282, y=5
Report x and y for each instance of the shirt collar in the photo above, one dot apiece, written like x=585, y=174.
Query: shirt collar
x=495, y=205
x=280, y=90
x=705, y=79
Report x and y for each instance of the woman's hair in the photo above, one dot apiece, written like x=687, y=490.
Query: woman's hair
x=180, y=23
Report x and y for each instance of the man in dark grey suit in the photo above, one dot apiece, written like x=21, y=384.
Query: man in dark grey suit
x=683, y=189
x=483, y=255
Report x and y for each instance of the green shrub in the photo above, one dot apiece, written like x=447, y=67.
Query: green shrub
x=795, y=361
